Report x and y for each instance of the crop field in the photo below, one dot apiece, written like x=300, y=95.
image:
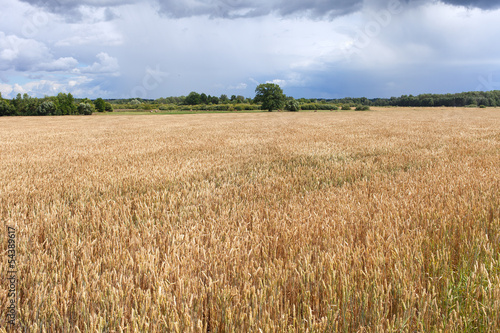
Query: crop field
x=379, y=221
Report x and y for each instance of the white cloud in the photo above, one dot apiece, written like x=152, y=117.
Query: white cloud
x=28, y=55
x=34, y=88
x=292, y=80
x=79, y=86
x=90, y=33
x=61, y=64
x=105, y=65
x=278, y=82
x=239, y=86
x=21, y=53
x=5, y=89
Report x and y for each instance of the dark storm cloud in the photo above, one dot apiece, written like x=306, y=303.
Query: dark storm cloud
x=309, y=8
x=216, y=8
x=483, y=4
x=244, y=8
x=70, y=8
x=68, y=4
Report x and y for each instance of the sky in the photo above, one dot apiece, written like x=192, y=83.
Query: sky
x=311, y=48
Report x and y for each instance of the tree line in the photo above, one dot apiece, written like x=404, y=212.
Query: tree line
x=268, y=97
x=176, y=102
x=472, y=99
x=62, y=104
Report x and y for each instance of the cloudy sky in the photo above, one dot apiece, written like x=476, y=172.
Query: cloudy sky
x=312, y=48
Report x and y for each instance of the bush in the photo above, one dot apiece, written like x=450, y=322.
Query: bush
x=169, y=107
x=46, y=108
x=482, y=106
x=108, y=107
x=86, y=108
x=292, y=105
x=346, y=107
x=252, y=107
x=362, y=108
x=147, y=106
x=222, y=107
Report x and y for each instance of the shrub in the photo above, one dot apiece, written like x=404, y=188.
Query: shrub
x=292, y=105
x=222, y=107
x=108, y=107
x=46, y=108
x=168, y=107
x=86, y=108
x=346, y=107
x=362, y=108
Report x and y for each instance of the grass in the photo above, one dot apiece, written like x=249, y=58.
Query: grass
x=381, y=221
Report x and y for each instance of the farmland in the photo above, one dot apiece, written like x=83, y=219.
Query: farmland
x=376, y=221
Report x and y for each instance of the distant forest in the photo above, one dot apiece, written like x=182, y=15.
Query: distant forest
x=66, y=104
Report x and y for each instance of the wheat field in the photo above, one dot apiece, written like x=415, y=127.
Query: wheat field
x=382, y=221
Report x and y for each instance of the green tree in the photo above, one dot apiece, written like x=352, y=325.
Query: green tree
x=6, y=109
x=100, y=105
x=292, y=105
x=25, y=105
x=46, y=108
x=214, y=100
x=223, y=99
x=108, y=107
x=270, y=95
x=86, y=108
x=204, y=98
x=193, y=98
x=66, y=104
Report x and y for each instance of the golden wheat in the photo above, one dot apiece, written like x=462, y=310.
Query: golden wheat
x=378, y=221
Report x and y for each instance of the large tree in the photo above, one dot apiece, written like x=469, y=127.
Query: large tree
x=193, y=98
x=223, y=99
x=100, y=105
x=270, y=95
x=66, y=104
